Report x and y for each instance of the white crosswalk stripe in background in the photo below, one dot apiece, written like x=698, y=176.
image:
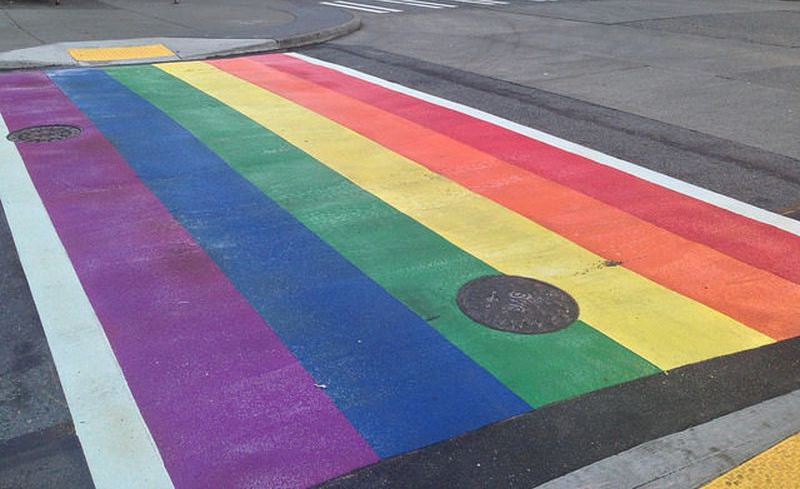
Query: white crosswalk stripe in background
x=395, y=6
x=373, y=9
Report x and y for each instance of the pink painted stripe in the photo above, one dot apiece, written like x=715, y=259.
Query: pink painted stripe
x=227, y=404
x=752, y=242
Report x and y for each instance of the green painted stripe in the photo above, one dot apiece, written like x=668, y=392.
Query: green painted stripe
x=417, y=266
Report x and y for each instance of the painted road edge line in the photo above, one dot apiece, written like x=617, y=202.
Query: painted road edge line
x=118, y=447
x=708, y=196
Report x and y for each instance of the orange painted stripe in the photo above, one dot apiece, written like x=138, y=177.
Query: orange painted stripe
x=749, y=240
x=757, y=298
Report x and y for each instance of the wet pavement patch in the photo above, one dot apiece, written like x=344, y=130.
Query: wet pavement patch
x=517, y=304
x=44, y=134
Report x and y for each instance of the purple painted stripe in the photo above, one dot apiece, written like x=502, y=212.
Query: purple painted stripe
x=226, y=402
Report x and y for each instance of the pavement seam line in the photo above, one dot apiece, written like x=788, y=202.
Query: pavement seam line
x=18, y=26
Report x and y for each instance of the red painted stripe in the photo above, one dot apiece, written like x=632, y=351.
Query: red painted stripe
x=752, y=242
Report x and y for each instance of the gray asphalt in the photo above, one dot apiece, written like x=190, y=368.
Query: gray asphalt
x=725, y=68
x=38, y=445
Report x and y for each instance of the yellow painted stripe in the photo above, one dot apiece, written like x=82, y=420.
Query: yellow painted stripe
x=660, y=325
x=148, y=51
x=778, y=467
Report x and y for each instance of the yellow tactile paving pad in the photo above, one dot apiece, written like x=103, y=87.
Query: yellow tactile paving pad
x=778, y=467
x=119, y=53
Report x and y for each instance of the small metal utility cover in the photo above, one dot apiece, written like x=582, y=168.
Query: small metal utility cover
x=517, y=304
x=44, y=134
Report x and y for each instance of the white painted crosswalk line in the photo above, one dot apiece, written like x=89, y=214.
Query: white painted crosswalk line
x=418, y=3
x=426, y=4
x=373, y=9
x=482, y=2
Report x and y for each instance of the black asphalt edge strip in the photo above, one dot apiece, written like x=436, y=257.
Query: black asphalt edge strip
x=49, y=461
x=759, y=177
x=692, y=457
x=29, y=442
x=549, y=442
x=38, y=445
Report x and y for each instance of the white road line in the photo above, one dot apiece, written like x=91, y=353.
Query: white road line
x=426, y=2
x=722, y=201
x=482, y=2
x=351, y=7
x=360, y=6
x=414, y=3
x=119, y=449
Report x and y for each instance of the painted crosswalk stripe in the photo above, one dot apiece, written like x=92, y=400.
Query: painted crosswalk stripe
x=775, y=231
x=426, y=2
x=415, y=3
x=161, y=301
x=273, y=247
x=482, y=2
x=726, y=284
x=351, y=7
x=363, y=7
x=316, y=302
x=433, y=268
x=116, y=442
x=435, y=202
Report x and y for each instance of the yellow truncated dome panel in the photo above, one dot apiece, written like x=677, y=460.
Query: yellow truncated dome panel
x=118, y=53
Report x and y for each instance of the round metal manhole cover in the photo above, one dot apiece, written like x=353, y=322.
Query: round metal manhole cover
x=44, y=134
x=517, y=304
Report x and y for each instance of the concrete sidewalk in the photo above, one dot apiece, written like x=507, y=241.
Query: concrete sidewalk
x=36, y=33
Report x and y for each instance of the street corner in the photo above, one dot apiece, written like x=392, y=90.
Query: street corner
x=38, y=34
x=279, y=271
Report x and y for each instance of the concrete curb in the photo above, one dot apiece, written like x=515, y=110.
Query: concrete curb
x=320, y=36
x=56, y=55
x=695, y=456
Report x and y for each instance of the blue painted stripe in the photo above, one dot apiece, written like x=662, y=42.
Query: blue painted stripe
x=400, y=383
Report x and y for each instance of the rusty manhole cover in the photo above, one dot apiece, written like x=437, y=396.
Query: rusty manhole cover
x=517, y=304
x=44, y=134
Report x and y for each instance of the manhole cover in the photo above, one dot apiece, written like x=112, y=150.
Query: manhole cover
x=517, y=304
x=44, y=134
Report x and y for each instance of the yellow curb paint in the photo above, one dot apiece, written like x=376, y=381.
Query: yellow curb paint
x=658, y=324
x=120, y=53
x=777, y=467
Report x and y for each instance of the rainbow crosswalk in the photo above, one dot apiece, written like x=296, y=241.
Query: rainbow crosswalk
x=273, y=246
